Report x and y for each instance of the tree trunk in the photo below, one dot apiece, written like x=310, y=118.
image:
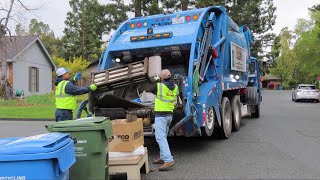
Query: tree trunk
x=3, y=60
x=137, y=8
x=3, y=67
x=184, y=5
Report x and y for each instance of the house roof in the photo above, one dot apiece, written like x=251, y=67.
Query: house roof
x=15, y=45
x=96, y=62
x=270, y=77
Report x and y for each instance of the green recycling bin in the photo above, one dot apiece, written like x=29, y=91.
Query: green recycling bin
x=91, y=135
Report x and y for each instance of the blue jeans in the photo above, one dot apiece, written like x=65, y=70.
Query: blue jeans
x=63, y=114
x=162, y=123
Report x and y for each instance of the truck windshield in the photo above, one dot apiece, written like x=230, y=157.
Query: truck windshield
x=307, y=87
x=252, y=68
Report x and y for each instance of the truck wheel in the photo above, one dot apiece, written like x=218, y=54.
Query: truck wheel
x=210, y=122
x=236, y=112
x=256, y=114
x=226, y=118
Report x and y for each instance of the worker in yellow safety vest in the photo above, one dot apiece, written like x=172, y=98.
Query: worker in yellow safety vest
x=66, y=92
x=166, y=93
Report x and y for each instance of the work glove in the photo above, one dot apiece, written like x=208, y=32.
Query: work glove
x=156, y=78
x=77, y=76
x=93, y=87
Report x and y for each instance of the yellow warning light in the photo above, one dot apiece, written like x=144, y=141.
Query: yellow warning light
x=142, y=37
x=195, y=17
x=166, y=34
x=157, y=35
x=134, y=38
x=132, y=25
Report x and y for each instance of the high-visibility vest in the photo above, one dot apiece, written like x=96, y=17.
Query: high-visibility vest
x=63, y=100
x=164, y=101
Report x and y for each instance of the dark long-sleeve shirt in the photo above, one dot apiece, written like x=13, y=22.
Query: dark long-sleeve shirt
x=72, y=89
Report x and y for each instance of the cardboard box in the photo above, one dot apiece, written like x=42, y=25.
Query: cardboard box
x=127, y=136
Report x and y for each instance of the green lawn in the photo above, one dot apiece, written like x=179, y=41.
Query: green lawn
x=33, y=112
x=37, y=112
x=34, y=107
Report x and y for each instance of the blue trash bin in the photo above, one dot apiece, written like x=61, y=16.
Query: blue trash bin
x=44, y=156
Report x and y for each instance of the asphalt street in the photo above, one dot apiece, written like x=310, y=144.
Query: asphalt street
x=284, y=143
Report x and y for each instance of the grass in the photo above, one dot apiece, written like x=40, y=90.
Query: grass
x=34, y=107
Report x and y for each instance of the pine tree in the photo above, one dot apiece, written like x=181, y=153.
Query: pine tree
x=115, y=14
x=145, y=7
x=258, y=15
x=84, y=28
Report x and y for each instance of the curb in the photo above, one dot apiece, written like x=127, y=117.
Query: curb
x=24, y=119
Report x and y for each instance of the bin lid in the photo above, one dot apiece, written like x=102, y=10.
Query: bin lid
x=42, y=143
x=83, y=124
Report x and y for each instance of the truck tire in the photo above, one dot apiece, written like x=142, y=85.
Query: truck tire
x=252, y=96
x=236, y=112
x=210, y=123
x=256, y=113
x=226, y=118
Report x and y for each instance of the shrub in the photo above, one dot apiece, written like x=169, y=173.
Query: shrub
x=285, y=86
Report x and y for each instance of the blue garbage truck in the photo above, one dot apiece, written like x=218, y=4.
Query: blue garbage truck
x=209, y=57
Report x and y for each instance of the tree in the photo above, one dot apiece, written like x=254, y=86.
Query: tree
x=84, y=28
x=145, y=7
x=315, y=8
x=176, y=5
x=258, y=15
x=286, y=63
x=115, y=14
x=306, y=48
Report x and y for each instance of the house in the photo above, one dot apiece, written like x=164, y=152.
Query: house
x=93, y=67
x=29, y=65
x=270, y=78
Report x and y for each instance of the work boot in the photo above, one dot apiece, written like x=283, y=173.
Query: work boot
x=158, y=161
x=166, y=166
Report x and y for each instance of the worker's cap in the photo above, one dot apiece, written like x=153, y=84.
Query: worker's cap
x=61, y=71
x=165, y=74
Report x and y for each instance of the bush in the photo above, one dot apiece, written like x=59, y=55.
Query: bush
x=285, y=86
x=318, y=84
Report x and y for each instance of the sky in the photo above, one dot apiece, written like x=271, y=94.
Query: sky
x=53, y=12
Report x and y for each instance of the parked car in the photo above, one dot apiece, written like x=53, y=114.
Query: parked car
x=306, y=92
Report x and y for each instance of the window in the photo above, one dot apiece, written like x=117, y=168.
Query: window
x=33, y=79
x=307, y=87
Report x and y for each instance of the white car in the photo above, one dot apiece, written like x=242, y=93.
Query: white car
x=306, y=92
